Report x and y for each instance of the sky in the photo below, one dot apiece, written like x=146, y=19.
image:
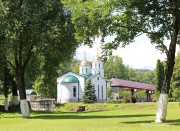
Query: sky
x=140, y=54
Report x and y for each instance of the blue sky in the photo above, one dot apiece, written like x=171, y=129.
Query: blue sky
x=140, y=54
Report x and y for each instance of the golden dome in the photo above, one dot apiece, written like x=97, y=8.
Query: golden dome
x=97, y=58
x=85, y=63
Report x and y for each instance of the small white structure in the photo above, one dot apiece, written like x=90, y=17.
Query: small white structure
x=70, y=86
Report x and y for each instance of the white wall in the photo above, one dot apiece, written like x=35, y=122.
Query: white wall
x=65, y=90
x=96, y=69
x=83, y=69
x=102, y=87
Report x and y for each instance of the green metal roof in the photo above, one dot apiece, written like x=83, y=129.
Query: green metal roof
x=70, y=79
x=88, y=75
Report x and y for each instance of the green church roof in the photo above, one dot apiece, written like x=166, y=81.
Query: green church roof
x=70, y=79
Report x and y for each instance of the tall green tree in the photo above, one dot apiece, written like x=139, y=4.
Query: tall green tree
x=114, y=67
x=175, y=82
x=159, y=76
x=89, y=95
x=35, y=32
x=127, y=19
x=45, y=84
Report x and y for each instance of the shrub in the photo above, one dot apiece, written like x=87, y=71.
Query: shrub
x=141, y=94
x=133, y=99
x=109, y=92
x=125, y=94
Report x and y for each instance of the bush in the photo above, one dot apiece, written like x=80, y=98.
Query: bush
x=133, y=99
x=109, y=92
x=141, y=94
x=125, y=94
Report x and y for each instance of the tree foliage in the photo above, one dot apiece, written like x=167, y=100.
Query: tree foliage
x=114, y=67
x=126, y=20
x=75, y=68
x=159, y=75
x=125, y=94
x=45, y=84
x=37, y=37
x=175, y=82
x=109, y=92
x=141, y=94
x=89, y=95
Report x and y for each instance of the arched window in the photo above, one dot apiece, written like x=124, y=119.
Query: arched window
x=74, y=91
x=82, y=70
x=102, y=91
x=98, y=91
x=99, y=65
x=86, y=70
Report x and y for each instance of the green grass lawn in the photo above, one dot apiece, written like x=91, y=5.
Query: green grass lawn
x=131, y=117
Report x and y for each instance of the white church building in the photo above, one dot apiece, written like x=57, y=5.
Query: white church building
x=70, y=86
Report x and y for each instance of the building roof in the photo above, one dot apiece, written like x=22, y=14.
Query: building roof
x=70, y=79
x=85, y=63
x=88, y=75
x=97, y=58
x=131, y=84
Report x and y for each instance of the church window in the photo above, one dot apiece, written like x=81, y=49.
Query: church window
x=99, y=65
x=95, y=65
x=102, y=91
x=97, y=78
x=82, y=70
x=74, y=91
x=86, y=70
x=98, y=91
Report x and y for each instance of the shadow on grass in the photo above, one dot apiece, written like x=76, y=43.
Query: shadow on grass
x=76, y=116
x=168, y=122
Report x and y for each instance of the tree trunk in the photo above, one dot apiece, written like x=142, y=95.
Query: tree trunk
x=163, y=99
x=15, y=100
x=22, y=92
x=6, y=104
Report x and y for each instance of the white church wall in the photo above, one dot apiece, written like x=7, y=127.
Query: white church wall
x=84, y=69
x=101, y=83
x=65, y=90
x=97, y=67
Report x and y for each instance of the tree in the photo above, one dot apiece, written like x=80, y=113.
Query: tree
x=159, y=77
x=126, y=20
x=141, y=94
x=125, y=94
x=175, y=82
x=46, y=82
x=114, y=67
x=89, y=95
x=109, y=92
x=75, y=68
x=35, y=32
